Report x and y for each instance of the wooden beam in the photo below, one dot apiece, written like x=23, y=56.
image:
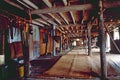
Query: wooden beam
x=14, y=4
x=24, y=4
x=71, y=13
x=39, y=22
x=107, y=4
x=70, y=25
x=65, y=2
x=42, y=21
x=74, y=7
x=35, y=22
x=31, y=4
x=47, y=19
x=64, y=18
x=47, y=2
x=62, y=9
x=73, y=19
x=102, y=47
x=55, y=18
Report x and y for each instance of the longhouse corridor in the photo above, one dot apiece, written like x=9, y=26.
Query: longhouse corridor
x=76, y=64
x=59, y=39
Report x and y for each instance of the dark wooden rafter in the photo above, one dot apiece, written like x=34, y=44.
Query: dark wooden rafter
x=72, y=15
x=67, y=12
x=63, y=9
x=49, y=4
x=74, y=7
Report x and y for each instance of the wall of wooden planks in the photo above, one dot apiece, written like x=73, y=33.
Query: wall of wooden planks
x=43, y=45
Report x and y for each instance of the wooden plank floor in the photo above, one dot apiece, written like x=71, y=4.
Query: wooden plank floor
x=76, y=64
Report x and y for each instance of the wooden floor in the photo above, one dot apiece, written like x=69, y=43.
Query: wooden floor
x=77, y=65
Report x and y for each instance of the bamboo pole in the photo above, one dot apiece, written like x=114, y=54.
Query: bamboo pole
x=102, y=47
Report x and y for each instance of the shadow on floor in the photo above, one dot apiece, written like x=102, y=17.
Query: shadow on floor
x=40, y=65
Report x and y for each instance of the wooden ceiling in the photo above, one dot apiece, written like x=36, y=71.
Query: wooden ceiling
x=69, y=16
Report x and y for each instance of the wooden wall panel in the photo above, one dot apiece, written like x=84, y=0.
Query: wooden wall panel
x=16, y=49
x=50, y=44
x=42, y=45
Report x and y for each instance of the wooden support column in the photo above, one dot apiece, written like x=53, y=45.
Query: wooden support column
x=25, y=47
x=61, y=43
x=31, y=46
x=102, y=41
x=54, y=42
x=89, y=40
x=86, y=41
x=67, y=43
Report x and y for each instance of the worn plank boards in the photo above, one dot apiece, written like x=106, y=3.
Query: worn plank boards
x=77, y=65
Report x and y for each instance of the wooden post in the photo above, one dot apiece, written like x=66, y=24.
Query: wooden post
x=102, y=46
x=25, y=48
x=67, y=43
x=89, y=40
x=86, y=41
x=61, y=43
x=54, y=44
x=31, y=46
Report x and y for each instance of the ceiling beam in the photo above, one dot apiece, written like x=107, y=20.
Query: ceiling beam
x=74, y=7
x=107, y=4
x=61, y=14
x=54, y=18
x=71, y=13
x=70, y=25
x=24, y=4
x=47, y=2
x=31, y=4
x=47, y=19
x=37, y=23
x=14, y=4
x=42, y=16
x=62, y=9
x=65, y=3
x=42, y=21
